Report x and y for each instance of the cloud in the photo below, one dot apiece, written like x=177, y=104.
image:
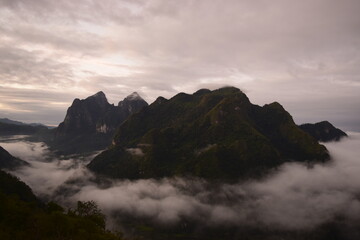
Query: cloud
x=45, y=174
x=47, y=105
x=275, y=51
x=295, y=197
x=64, y=11
x=22, y=67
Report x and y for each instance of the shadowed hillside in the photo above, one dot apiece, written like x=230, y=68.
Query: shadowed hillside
x=210, y=134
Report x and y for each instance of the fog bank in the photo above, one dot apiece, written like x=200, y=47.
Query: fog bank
x=295, y=197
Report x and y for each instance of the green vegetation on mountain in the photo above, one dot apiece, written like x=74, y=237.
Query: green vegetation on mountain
x=23, y=216
x=212, y=134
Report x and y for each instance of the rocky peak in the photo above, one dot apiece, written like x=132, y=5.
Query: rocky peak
x=89, y=123
x=134, y=96
x=99, y=94
x=133, y=103
x=99, y=98
x=82, y=115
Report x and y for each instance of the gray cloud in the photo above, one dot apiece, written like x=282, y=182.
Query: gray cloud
x=59, y=38
x=294, y=197
x=301, y=54
x=18, y=66
x=32, y=105
x=70, y=12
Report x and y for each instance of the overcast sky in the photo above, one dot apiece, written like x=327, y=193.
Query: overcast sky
x=303, y=54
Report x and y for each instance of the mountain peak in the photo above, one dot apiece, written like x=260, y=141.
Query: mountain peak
x=134, y=96
x=100, y=98
x=133, y=100
x=99, y=94
x=202, y=92
x=227, y=90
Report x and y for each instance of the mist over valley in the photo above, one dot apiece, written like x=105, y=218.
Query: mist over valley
x=294, y=197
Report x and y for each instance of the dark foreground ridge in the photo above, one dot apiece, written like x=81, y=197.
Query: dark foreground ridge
x=323, y=131
x=216, y=134
x=10, y=162
x=24, y=216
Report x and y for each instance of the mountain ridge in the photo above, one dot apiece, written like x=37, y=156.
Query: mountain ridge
x=14, y=122
x=210, y=134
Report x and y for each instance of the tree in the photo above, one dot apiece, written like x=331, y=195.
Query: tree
x=90, y=210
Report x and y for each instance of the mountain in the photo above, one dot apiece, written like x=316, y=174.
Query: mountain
x=82, y=115
x=40, y=125
x=17, y=128
x=9, y=121
x=8, y=161
x=113, y=118
x=33, y=131
x=323, y=131
x=216, y=134
x=90, y=123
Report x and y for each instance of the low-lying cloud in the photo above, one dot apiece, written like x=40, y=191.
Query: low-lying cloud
x=295, y=197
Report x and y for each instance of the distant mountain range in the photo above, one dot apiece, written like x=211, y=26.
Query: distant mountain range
x=10, y=127
x=9, y=121
x=209, y=134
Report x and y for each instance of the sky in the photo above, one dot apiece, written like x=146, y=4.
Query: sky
x=303, y=54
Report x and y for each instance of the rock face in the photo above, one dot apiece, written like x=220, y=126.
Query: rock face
x=7, y=161
x=82, y=115
x=211, y=134
x=132, y=103
x=323, y=131
x=90, y=123
x=112, y=119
